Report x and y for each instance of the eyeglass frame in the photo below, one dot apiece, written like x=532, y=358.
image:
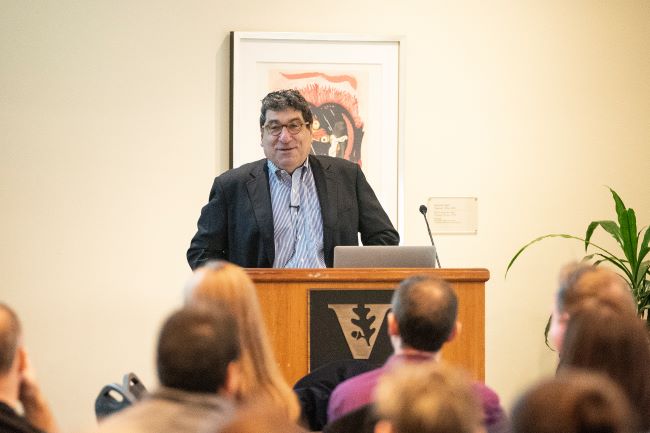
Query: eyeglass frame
x=285, y=125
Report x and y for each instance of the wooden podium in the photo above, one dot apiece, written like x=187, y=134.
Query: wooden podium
x=284, y=296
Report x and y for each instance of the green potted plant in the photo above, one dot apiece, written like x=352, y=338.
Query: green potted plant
x=634, y=245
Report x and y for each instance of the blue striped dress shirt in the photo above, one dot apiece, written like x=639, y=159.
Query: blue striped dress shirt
x=297, y=220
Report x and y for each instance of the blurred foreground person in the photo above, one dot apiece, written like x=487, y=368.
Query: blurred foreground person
x=198, y=349
x=427, y=398
x=576, y=402
x=227, y=285
x=260, y=418
x=583, y=284
x=18, y=386
x=600, y=339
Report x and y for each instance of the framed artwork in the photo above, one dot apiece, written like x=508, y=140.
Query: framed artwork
x=353, y=84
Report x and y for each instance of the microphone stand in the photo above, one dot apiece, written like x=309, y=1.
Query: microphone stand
x=423, y=211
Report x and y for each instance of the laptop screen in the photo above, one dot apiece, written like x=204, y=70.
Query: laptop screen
x=381, y=256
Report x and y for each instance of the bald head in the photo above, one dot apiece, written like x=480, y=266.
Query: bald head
x=425, y=310
x=9, y=336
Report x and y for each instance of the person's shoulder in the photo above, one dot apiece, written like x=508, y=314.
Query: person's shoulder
x=337, y=163
x=244, y=171
x=359, y=382
x=362, y=419
x=485, y=393
x=11, y=421
x=352, y=394
x=128, y=419
x=489, y=399
x=169, y=410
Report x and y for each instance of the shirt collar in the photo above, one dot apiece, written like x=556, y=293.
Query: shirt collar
x=275, y=169
x=411, y=356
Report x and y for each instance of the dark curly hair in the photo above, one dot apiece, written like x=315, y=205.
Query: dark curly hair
x=282, y=100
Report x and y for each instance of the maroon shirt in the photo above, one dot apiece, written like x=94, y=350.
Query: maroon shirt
x=358, y=391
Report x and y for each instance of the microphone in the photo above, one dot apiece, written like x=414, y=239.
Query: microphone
x=423, y=211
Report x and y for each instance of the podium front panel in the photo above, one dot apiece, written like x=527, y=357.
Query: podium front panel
x=285, y=299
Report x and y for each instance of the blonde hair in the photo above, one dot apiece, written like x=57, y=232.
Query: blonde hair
x=229, y=286
x=428, y=397
x=260, y=417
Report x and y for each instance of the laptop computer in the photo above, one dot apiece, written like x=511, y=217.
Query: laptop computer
x=381, y=256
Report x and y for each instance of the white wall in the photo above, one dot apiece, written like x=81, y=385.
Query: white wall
x=114, y=120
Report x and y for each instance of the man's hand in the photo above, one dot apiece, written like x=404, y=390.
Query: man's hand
x=36, y=409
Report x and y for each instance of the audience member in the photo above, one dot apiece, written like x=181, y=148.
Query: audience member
x=422, y=320
x=600, y=339
x=577, y=402
x=315, y=388
x=197, y=355
x=583, y=284
x=427, y=398
x=228, y=285
x=18, y=384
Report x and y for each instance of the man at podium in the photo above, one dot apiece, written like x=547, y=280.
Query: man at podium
x=290, y=209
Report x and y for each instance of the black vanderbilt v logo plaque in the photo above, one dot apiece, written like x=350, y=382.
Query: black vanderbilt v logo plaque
x=348, y=324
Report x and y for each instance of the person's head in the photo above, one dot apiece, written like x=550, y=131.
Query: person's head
x=576, y=402
x=285, y=120
x=428, y=397
x=197, y=350
x=229, y=286
x=13, y=357
x=9, y=338
x=424, y=312
x=599, y=338
x=583, y=284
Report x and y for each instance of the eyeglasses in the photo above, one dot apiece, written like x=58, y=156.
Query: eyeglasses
x=294, y=127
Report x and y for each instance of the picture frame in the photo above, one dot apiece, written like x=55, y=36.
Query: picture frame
x=354, y=84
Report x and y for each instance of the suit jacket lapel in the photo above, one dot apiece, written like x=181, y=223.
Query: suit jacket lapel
x=260, y=197
x=327, y=189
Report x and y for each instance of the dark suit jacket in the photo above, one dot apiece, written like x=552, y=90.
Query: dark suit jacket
x=237, y=223
x=361, y=420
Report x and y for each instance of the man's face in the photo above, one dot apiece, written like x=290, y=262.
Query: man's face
x=287, y=151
